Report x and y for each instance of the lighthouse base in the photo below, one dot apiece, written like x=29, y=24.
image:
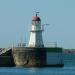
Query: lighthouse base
x=29, y=57
x=38, y=57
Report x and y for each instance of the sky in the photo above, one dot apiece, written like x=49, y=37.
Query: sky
x=16, y=17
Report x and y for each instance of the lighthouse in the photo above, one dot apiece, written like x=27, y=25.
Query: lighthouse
x=36, y=39
x=35, y=53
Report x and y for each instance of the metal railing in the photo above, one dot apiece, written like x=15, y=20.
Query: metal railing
x=46, y=44
x=50, y=44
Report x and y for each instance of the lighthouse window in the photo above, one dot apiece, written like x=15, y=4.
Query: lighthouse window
x=35, y=22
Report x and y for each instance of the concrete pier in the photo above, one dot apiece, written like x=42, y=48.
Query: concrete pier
x=29, y=57
x=6, y=59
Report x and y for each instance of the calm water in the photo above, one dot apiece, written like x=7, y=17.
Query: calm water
x=68, y=69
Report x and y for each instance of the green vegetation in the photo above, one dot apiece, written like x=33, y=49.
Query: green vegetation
x=55, y=49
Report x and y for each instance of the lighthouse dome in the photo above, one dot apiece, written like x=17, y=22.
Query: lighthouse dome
x=36, y=18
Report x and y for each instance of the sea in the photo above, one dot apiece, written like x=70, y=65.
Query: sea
x=68, y=69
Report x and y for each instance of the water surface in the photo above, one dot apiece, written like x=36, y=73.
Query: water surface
x=68, y=69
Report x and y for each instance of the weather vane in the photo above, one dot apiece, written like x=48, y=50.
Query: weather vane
x=37, y=13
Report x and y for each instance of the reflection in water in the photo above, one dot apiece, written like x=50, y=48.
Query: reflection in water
x=38, y=71
x=33, y=70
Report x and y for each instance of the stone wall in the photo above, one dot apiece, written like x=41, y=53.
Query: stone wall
x=29, y=56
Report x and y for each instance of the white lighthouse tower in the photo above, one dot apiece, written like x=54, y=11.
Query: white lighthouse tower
x=36, y=33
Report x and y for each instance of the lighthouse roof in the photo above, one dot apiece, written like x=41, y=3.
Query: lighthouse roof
x=36, y=18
